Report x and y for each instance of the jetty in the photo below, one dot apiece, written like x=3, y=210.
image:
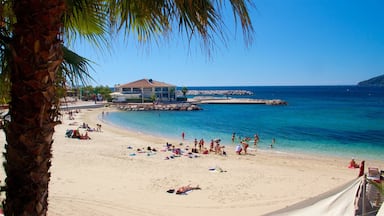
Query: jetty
x=193, y=104
x=213, y=100
x=217, y=92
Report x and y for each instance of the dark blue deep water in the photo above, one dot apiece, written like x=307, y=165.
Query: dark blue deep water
x=346, y=121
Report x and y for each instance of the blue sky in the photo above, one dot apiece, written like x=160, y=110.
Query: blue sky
x=296, y=42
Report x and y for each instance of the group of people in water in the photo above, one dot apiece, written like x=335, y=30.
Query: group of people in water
x=244, y=143
x=199, y=146
x=214, y=146
x=217, y=148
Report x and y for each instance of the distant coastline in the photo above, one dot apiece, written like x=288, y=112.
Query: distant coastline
x=375, y=81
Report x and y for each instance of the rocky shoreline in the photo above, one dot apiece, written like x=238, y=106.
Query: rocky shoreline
x=193, y=104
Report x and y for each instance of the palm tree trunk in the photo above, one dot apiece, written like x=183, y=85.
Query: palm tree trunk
x=36, y=57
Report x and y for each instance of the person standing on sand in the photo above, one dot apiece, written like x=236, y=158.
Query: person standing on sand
x=245, y=146
x=362, y=168
x=201, y=144
x=195, y=145
x=211, y=148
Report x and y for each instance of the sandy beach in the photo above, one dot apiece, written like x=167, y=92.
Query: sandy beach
x=106, y=175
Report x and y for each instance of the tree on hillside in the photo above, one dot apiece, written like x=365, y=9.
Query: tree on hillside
x=34, y=33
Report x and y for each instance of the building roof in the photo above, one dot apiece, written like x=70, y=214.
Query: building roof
x=145, y=83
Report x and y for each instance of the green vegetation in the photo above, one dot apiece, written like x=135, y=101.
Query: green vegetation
x=184, y=90
x=89, y=93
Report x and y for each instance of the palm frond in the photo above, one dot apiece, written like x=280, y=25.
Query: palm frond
x=75, y=69
x=143, y=18
x=87, y=20
x=240, y=11
x=196, y=18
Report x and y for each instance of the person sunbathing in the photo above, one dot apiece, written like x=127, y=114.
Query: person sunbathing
x=185, y=189
x=85, y=136
x=353, y=164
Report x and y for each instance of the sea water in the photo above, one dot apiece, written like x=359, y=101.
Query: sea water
x=346, y=121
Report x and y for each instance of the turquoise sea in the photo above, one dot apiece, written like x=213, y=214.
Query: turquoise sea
x=346, y=121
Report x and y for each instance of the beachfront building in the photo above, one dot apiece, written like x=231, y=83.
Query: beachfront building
x=145, y=89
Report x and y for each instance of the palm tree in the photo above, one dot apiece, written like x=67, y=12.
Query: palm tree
x=184, y=90
x=36, y=32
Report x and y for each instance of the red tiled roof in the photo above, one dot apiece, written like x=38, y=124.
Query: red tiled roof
x=145, y=83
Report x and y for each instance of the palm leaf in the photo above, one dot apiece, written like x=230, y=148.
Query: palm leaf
x=75, y=68
x=152, y=19
x=87, y=19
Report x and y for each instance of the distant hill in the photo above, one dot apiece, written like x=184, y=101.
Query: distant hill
x=375, y=81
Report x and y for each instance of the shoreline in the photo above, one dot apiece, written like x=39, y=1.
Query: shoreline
x=265, y=149
x=101, y=176
x=305, y=154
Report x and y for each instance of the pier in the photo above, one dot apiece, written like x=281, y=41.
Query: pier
x=207, y=100
x=217, y=92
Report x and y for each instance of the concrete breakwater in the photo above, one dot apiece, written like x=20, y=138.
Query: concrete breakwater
x=158, y=107
x=218, y=92
x=221, y=100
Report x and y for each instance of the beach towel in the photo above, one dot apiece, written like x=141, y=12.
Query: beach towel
x=216, y=169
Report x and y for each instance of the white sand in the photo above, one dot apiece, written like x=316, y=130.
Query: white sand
x=99, y=177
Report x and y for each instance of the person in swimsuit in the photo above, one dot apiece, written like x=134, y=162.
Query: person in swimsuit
x=185, y=189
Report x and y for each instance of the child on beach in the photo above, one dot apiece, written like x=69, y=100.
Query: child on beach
x=238, y=149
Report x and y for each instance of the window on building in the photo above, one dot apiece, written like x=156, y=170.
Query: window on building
x=136, y=90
